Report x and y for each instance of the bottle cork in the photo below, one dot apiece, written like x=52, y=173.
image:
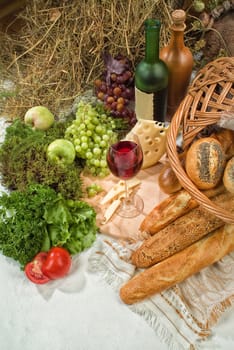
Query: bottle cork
x=178, y=18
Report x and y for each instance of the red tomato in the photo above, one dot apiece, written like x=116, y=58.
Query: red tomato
x=33, y=269
x=57, y=263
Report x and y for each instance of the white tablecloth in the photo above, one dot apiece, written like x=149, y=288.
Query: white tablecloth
x=89, y=318
x=79, y=313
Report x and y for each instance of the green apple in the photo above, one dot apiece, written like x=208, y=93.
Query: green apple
x=39, y=117
x=61, y=151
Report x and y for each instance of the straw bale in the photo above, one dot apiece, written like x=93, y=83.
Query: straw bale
x=56, y=53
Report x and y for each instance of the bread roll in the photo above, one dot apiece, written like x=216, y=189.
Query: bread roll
x=181, y=233
x=226, y=138
x=228, y=177
x=205, y=162
x=180, y=266
x=168, y=181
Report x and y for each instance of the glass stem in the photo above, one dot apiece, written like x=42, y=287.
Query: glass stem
x=126, y=192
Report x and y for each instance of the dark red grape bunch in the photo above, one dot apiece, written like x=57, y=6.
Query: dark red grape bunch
x=116, y=87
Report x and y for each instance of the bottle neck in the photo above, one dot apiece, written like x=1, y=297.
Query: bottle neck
x=177, y=38
x=152, y=44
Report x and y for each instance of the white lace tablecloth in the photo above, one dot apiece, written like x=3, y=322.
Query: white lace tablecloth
x=84, y=312
x=183, y=316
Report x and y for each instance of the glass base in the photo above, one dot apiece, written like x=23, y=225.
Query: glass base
x=131, y=208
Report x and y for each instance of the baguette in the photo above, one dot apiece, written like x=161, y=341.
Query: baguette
x=180, y=266
x=179, y=234
x=172, y=208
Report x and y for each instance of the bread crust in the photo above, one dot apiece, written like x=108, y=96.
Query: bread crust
x=171, y=208
x=205, y=162
x=181, y=233
x=228, y=177
x=180, y=266
x=226, y=138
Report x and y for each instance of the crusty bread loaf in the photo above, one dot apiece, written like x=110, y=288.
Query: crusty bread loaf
x=171, y=208
x=228, y=176
x=167, y=179
x=181, y=233
x=205, y=162
x=226, y=138
x=180, y=266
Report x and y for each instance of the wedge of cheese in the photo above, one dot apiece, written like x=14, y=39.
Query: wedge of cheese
x=152, y=136
x=114, y=196
x=118, y=189
x=111, y=210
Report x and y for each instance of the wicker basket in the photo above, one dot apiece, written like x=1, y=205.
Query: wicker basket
x=210, y=95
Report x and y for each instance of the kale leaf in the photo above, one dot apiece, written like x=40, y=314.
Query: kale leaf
x=23, y=160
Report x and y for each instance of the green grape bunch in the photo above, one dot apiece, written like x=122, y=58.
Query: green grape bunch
x=91, y=132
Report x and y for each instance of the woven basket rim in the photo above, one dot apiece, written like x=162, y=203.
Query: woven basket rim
x=189, y=121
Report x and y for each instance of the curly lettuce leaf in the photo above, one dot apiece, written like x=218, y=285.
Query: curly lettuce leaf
x=71, y=224
x=23, y=231
x=38, y=218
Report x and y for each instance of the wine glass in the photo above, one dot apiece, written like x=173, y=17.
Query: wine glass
x=124, y=159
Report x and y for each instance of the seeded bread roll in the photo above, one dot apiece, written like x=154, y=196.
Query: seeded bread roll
x=205, y=163
x=179, y=266
x=228, y=177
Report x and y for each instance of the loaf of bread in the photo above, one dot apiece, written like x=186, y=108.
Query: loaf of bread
x=171, y=208
x=167, y=179
x=181, y=233
x=205, y=162
x=226, y=138
x=180, y=266
x=228, y=176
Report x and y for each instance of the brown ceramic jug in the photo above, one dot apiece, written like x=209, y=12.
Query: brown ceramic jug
x=179, y=61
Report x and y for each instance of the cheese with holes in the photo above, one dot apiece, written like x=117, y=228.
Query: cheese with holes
x=152, y=136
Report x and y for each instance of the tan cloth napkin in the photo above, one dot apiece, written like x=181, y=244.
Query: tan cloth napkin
x=183, y=315
x=127, y=229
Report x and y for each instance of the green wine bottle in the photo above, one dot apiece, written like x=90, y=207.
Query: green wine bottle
x=151, y=78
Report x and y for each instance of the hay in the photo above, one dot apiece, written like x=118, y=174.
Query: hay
x=57, y=52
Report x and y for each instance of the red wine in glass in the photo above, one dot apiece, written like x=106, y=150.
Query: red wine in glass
x=125, y=159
